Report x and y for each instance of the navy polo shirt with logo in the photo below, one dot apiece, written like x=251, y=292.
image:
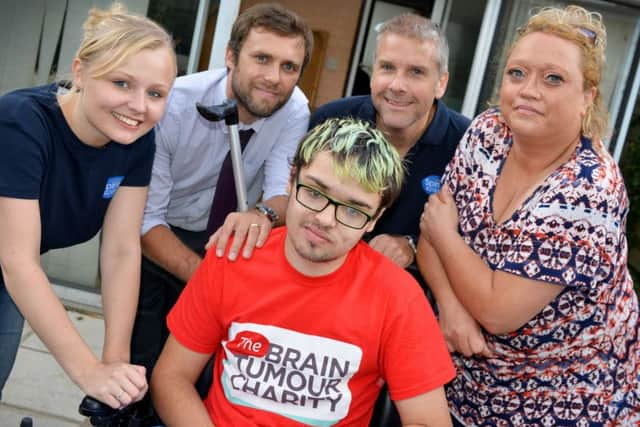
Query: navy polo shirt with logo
x=42, y=159
x=429, y=156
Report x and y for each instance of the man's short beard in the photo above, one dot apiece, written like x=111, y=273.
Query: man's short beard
x=243, y=98
x=312, y=256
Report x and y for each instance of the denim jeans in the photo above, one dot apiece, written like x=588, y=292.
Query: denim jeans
x=11, y=322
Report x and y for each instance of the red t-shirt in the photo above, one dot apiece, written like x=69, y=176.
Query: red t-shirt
x=295, y=350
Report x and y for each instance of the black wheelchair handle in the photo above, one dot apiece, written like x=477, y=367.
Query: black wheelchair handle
x=91, y=407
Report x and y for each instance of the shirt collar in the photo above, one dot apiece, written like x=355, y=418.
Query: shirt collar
x=367, y=111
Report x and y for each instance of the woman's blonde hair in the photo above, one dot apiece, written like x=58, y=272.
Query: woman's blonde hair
x=586, y=30
x=112, y=35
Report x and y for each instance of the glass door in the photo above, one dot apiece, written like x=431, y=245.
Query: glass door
x=461, y=22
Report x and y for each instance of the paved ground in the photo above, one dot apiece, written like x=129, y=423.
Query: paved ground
x=38, y=387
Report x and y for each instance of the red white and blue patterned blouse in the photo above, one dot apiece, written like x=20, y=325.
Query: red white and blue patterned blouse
x=577, y=362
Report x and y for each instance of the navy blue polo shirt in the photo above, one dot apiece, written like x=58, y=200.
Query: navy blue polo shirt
x=42, y=159
x=429, y=156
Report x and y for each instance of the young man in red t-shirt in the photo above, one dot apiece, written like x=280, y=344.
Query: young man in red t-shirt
x=308, y=330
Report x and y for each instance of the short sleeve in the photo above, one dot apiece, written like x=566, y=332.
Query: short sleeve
x=23, y=142
x=478, y=156
x=454, y=171
x=462, y=168
x=166, y=134
x=414, y=356
x=192, y=320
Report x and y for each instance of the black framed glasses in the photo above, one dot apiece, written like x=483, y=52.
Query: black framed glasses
x=315, y=200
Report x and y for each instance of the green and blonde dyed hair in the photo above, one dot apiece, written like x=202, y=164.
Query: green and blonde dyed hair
x=111, y=36
x=586, y=30
x=359, y=152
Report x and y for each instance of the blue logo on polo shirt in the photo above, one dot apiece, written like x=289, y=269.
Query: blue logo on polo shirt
x=431, y=184
x=112, y=186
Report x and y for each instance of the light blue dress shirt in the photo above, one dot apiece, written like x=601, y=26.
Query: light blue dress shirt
x=190, y=151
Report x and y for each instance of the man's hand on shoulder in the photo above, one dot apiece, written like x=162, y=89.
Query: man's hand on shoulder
x=249, y=228
x=396, y=248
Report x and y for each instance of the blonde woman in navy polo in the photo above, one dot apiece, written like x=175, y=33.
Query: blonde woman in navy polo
x=72, y=164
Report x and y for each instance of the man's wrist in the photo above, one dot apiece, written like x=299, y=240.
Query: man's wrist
x=271, y=214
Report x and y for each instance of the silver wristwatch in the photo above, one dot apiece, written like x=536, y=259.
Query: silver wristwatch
x=412, y=244
x=268, y=212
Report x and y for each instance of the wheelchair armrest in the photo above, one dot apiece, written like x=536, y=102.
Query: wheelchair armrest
x=103, y=415
x=91, y=407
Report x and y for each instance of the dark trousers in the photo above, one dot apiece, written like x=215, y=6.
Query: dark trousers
x=159, y=291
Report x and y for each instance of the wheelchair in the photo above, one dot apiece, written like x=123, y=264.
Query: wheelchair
x=102, y=415
x=139, y=414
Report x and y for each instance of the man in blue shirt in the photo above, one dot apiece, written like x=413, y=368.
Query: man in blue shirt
x=409, y=77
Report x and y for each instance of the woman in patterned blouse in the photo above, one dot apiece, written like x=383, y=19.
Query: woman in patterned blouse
x=525, y=249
